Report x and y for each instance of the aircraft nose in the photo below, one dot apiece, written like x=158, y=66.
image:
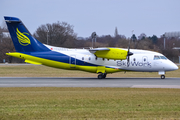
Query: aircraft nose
x=169, y=66
x=173, y=66
x=176, y=67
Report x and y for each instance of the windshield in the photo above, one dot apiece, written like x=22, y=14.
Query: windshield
x=163, y=57
x=157, y=57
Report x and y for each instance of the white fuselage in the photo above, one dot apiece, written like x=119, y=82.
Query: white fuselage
x=141, y=60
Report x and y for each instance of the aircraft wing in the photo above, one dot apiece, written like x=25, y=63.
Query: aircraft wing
x=99, y=49
x=110, y=53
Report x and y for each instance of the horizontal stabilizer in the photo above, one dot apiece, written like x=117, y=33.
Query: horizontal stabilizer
x=12, y=19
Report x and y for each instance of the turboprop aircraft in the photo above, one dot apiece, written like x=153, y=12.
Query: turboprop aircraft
x=96, y=60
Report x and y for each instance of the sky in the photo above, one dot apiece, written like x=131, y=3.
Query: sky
x=152, y=17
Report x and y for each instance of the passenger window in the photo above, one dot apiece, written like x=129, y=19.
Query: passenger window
x=89, y=58
x=82, y=58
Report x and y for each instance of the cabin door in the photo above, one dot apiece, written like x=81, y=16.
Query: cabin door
x=72, y=61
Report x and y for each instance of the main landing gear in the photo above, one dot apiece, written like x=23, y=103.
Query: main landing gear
x=102, y=75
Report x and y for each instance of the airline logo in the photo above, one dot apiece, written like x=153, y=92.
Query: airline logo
x=140, y=64
x=22, y=38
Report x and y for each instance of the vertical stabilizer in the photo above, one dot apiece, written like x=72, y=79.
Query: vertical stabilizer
x=21, y=37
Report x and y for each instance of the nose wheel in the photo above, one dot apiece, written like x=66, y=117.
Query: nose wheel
x=102, y=75
x=162, y=76
x=162, y=73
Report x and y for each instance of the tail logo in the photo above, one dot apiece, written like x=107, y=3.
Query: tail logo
x=22, y=38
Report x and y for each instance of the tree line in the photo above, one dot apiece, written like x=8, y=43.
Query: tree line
x=61, y=34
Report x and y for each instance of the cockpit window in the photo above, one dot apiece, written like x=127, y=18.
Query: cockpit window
x=163, y=57
x=156, y=57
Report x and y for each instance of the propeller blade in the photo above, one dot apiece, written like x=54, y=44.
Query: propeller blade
x=129, y=53
x=128, y=58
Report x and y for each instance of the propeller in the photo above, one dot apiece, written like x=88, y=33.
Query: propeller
x=129, y=54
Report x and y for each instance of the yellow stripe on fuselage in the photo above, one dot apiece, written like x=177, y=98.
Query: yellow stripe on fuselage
x=56, y=64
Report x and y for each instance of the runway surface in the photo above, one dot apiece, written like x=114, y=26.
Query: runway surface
x=90, y=82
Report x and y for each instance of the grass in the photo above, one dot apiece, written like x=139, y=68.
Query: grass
x=89, y=103
x=43, y=71
x=85, y=103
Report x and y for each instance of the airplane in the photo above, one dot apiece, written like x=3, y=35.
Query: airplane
x=101, y=61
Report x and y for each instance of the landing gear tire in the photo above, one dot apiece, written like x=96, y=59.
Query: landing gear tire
x=162, y=76
x=102, y=75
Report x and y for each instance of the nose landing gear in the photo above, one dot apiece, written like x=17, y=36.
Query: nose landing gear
x=102, y=75
x=162, y=73
x=162, y=76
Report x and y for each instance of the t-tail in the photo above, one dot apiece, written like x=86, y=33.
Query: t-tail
x=21, y=37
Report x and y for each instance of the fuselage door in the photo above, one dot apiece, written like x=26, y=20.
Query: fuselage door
x=72, y=61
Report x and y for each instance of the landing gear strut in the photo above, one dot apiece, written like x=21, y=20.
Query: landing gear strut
x=162, y=76
x=102, y=75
